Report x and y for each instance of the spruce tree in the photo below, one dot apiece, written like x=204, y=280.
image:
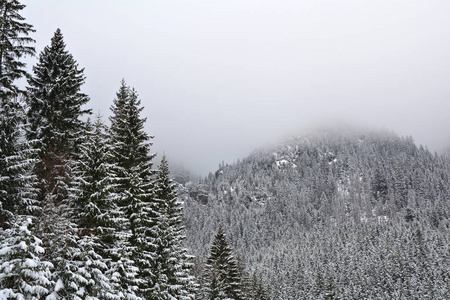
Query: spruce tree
x=172, y=262
x=222, y=279
x=55, y=107
x=17, y=182
x=379, y=187
x=94, y=210
x=257, y=291
x=14, y=42
x=133, y=163
x=131, y=144
x=23, y=274
x=92, y=193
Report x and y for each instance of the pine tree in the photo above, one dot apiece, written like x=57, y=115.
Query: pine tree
x=54, y=116
x=23, y=274
x=17, y=191
x=172, y=262
x=16, y=180
x=131, y=145
x=258, y=291
x=400, y=188
x=379, y=187
x=14, y=42
x=94, y=209
x=55, y=102
x=135, y=189
x=93, y=198
x=222, y=274
x=65, y=249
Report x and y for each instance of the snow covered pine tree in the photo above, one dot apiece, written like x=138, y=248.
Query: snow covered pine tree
x=94, y=210
x=16, y=180
x=55, y=102
x=172, y=262
x=14, y=42
x=23, y=275
x=222, y=275
x=54, y=115
x=135, y=190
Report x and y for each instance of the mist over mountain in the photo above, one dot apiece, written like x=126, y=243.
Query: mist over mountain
x=343, y=214
x=221, y=78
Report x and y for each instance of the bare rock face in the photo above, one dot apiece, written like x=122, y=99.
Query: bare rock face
x=199, y=196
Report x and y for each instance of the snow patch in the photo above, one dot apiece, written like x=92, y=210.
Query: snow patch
x=282, y=162
x=5, y=251
x=23, y=245
x=382, y=219
x=285, y=163
x=59, y=285
x=30, y=263
x=52, y=296
x=39, y=250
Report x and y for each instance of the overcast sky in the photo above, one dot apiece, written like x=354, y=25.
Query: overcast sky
x=221, y=78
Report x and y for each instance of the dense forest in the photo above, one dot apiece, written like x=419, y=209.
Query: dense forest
x=85, y=213
x=332, y=215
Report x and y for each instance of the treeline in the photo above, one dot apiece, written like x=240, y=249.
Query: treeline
x=83, y=212
x=83, y=215
x=332, y=215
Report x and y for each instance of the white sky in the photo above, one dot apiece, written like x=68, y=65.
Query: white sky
x=221, y=78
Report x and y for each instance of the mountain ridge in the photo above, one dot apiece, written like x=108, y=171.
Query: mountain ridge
x=281, y=197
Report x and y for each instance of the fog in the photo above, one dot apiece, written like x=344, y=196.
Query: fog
x=221, y=78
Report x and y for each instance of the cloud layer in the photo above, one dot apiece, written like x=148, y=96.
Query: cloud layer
x=220, y=78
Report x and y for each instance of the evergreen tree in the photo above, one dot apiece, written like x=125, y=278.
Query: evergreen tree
x=130, y=143
x=400, y=188
x=55, y=102
x=66, y=250
x=379, y=187
x=222, y=274
x=14, y=42
x=55, y=109
x=94, y=201
x=16, y=181
x=23, y=274
x=172, y=262
x=17, y=191
x=257, y=291
x=252, y=287
x=94, y=209
x=135, y=190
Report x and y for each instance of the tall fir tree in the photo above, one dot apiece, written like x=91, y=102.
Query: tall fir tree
x=133, y=163
x=55, y=103
x=55, y=107
x=14, y=44
x=16, y=180
x=257, y=290
x=23, y=273
x=222, y=279
x=173, y=264
x=69, y=253
x=131, y=144
x=93, y=198
x=94, y=210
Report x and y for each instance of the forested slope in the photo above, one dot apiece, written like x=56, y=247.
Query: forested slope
x=332, y=215
x=83, y=212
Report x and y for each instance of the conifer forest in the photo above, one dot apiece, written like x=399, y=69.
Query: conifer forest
x=87, y=211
